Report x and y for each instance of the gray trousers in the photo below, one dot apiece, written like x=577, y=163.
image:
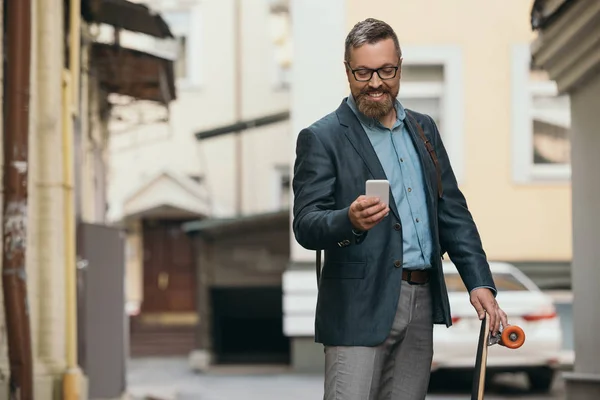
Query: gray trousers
x=397, y=369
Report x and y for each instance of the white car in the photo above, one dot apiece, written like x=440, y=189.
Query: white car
x=526, y=305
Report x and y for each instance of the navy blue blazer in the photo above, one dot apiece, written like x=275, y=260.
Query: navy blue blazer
x=361, y=277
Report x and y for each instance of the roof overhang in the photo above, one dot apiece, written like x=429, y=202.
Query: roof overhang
x=123, y=14
x=243, y=225
x=133, y=50
x=568, y=44
x=167, y=195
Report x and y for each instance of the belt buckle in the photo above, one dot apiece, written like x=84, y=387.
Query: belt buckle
x=409, y=278
x=410, y=281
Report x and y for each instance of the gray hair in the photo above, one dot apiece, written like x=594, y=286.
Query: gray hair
x=370, y=31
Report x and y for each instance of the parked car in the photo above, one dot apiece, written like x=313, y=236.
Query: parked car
x=526, y=305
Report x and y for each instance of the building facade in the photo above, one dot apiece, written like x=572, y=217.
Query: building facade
x=220, y=151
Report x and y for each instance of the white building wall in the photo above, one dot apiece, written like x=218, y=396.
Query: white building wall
x=207, y=101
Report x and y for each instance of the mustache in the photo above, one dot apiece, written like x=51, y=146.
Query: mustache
x=368, y=91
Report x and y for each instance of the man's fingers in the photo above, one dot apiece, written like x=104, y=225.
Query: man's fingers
x=373, y=220
x=372, y=211
x=359, y=205
x=491, y=309
x=478, y=307
x=494, y=313
x=503, y=318
x=381, y=214
x=362, y=202
x=495, y=321
x=367, y=212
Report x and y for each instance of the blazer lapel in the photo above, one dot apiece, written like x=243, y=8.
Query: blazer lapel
x=361, y=143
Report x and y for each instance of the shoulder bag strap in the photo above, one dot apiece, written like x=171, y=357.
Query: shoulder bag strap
x=431, y=152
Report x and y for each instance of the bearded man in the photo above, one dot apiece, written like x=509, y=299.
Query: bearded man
x=382, y=288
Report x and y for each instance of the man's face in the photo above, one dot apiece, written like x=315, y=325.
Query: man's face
x=374, y=98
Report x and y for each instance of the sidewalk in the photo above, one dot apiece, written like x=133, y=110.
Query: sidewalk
x=171, y=378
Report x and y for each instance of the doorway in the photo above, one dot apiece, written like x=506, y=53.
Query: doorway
x=169, y=268
x=248, y=326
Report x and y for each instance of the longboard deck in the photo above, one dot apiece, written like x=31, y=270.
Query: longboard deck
x=481, y=360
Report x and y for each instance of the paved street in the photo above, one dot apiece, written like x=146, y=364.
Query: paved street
x=171, y=379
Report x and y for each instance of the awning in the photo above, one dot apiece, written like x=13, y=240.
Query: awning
x=124, y=14
x=134, y=50
x=246, y=224
x=133, y=73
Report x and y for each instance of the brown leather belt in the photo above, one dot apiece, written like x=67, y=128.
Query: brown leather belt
x=418, y=277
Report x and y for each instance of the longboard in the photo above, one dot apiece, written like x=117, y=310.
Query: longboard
x=511, y=337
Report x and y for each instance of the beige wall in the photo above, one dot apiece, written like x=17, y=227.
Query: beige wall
x=518, y=222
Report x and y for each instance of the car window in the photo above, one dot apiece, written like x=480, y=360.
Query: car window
x=503, y=281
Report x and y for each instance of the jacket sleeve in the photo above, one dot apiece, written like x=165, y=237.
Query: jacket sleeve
x=458, y=233
x=317, y=224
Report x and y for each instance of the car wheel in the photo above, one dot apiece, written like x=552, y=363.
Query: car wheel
x=541, y=379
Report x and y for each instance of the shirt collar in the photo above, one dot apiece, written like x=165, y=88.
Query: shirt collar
x=370, y=122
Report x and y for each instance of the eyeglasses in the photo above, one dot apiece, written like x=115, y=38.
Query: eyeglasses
x=365, y=74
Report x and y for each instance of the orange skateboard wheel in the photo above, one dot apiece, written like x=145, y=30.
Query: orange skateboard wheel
x=512, y=337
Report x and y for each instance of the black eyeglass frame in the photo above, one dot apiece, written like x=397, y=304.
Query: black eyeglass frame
x=373, y=71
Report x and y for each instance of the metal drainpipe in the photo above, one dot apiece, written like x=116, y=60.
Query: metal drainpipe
x=16, y=158
x=71, y=378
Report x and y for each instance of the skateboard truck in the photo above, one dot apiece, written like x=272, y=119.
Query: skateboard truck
x=512, y=337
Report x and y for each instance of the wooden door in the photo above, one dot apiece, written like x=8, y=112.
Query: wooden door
x=169, y=273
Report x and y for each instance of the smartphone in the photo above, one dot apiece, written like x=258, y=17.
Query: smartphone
x=378, y=188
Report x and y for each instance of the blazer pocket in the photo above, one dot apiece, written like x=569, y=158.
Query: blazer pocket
x=344, y=270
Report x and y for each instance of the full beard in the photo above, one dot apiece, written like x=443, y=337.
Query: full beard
x=374, y=108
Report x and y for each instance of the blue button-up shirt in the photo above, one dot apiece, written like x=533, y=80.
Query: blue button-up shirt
x=402, y=166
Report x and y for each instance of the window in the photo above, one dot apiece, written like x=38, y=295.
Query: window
x=185, y=26
x=551, y=122
x=422, y=90
x=541, y=124
x=282, y=187
x=432, y=83
x=281, y=46
x=181, y=64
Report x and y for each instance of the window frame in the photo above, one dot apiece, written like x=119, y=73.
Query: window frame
x=450, y=92
x=194, y=48
x=281, y=77
x=279, y=171
x=524, y=170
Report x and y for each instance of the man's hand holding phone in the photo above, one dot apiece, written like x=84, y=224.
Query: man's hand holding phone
x=366, y=212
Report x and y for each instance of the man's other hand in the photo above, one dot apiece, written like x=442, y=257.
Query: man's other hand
x=483, y=300
x=366, y=212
